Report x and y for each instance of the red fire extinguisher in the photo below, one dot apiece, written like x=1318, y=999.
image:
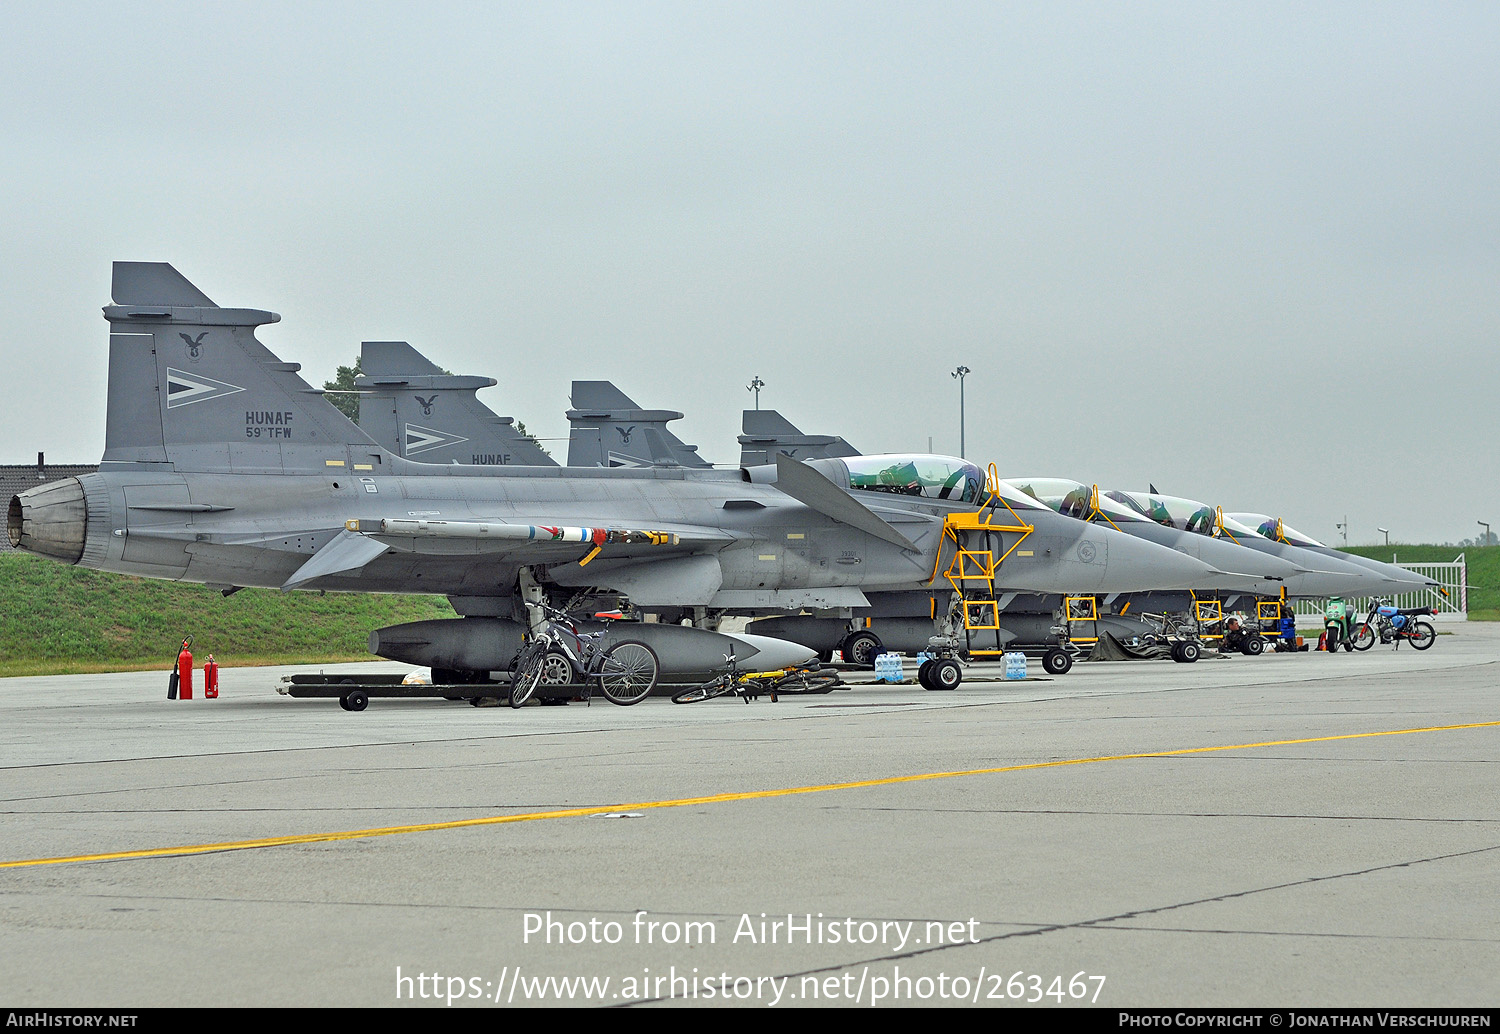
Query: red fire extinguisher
x=185, y=671
x=210, y=679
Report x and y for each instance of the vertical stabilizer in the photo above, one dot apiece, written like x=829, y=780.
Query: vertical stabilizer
x=767, y=433
x=190, y=385
x=415, y=409
x=610, y=430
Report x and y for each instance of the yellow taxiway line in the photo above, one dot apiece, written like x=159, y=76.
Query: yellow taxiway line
x=570, y=813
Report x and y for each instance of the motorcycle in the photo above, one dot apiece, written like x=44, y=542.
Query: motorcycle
x=1338, y=626
x=1390, y=624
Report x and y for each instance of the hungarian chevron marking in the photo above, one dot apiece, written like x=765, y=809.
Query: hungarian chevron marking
x=421, y=439
x=184, y=389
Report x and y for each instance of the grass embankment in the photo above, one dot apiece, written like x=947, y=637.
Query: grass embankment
x=56, y=619
x=1483, y=563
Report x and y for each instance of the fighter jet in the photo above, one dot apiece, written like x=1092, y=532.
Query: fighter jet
x=1242, y=570
x=412, y=408
x=1318, y=575
x=222, y=466
x=1394, y=580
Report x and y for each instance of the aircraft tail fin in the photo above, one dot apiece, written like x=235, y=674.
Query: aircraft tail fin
x=767, y=433
x=190, y=385
x=610, y=430
x=418, y=410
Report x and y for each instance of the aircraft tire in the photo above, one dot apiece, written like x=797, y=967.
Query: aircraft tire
x=1253, y=646
x=1057, y=662
x=1188, y=652
x=945, y=674
x=861, y=648
x=923, y=671
x=557, y=669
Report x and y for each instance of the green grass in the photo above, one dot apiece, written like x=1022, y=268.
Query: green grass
x=56, y=619
x=1483, y=563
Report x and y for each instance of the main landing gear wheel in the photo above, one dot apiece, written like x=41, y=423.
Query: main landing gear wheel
x=944, y=674
x=1186, y=652
x=557, y=670
x=1057, y=662
x=1253, y=646
x=861, y=648
x=628, y=673
x=923, y=671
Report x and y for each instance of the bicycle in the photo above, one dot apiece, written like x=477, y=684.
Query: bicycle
x=749, y=685
x=1391, y=625
x=557, y=652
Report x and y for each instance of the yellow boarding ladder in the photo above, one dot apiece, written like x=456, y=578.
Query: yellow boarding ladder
x=971, y=571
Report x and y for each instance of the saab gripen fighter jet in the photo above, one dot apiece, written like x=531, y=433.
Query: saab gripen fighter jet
x=1318, y=575
x=1393, y=580
x=222, y=466
x=1243, y=571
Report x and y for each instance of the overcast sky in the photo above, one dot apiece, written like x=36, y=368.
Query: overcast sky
x=1247, y=252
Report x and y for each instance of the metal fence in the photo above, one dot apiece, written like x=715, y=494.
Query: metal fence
x=1451, y=604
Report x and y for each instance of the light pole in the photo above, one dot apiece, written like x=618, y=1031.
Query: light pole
x=1487, y=535
x=1387, y=533
x=961, y=373
x=755, y=386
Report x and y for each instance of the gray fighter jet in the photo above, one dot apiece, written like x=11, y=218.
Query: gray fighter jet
x=222, y=466
x=1318, y=575
x=1393, y=580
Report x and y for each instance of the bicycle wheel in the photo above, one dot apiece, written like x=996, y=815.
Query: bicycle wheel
x=707, y=691
x=530, y=667
x=1364, y=637
x=1422, y=635
x=809, y=682
x=628, y=673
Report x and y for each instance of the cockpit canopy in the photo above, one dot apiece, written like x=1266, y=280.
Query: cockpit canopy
x=1267, y=526
x=932, y=477
x=1182, y=514
x=1075, y=499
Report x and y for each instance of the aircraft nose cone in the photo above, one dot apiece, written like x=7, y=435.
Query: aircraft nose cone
x=1136, y=565
x=49, y=520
